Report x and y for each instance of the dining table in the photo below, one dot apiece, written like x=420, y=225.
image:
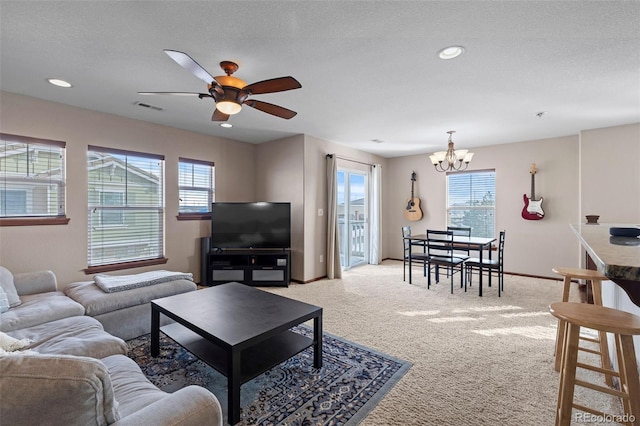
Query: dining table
x=479, y=244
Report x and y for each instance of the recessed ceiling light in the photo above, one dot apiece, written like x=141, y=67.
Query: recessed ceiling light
x=227, y=125
x=451, y=52
x=59, y=83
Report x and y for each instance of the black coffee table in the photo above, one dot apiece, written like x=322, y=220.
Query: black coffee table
x=239, y=330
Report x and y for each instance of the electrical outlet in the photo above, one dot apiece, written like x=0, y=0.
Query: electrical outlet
x=321, y=258
x=320, y=212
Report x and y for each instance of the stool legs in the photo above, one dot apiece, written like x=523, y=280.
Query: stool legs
x=629, y=381
x=605, y=360
x=561, y=327
x=568, y=374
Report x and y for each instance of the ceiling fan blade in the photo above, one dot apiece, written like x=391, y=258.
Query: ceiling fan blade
x=200, y=95
x=187, y=62
x=219, y=116
x=272, y=109
x=273, y=85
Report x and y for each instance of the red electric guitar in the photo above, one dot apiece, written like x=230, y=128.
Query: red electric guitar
x=532, y=209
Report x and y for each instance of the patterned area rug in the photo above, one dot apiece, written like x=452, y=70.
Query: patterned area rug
x=351, y=382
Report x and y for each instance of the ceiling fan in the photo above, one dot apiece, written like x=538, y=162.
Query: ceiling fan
x=229, y=92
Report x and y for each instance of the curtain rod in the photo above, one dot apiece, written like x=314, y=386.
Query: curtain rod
x=349, y=159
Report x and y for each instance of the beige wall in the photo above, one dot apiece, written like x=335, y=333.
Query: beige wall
x=531, y=247
x=596, y=172
x=610, y=173
x=63, y=248
x=279, y=177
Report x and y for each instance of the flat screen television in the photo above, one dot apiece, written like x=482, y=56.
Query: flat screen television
x=250, y=225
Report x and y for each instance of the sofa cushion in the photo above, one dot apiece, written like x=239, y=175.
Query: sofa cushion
x=38, y=309
x=60, y=389
x=79, y=335
x=96, y=301
x=6, y=282
x=4, y=301
x=131, y=388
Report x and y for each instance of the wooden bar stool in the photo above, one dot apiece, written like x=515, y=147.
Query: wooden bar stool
x=596, y=279
x=624, y=326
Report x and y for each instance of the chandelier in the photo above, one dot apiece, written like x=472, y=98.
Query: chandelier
x=451, y=160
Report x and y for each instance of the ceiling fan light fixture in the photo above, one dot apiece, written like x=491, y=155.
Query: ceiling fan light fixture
x=228, y=107
x=229, y=80
x=450, y=52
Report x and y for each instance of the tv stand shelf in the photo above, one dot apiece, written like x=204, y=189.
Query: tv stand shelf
x=255, y=267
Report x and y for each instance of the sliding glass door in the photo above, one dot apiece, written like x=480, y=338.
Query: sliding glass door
x=353, y=217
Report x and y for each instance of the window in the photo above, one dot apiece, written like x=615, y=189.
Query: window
x=471, y=201
x=32, y=181
x=196, y=182
x=125, y=209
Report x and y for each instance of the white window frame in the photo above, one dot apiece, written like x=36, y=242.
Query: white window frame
x=25, y=167
x=473, y=201
x=188, y=183
x=132, y=243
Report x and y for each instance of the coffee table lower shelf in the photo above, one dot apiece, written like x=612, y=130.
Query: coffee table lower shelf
x=254, y=360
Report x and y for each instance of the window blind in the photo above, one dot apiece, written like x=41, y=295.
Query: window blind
x=471, y=201
x=125, y=206
x=196, y=186
x=32, y=177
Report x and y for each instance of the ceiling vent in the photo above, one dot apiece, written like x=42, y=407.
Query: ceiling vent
x=142, y=104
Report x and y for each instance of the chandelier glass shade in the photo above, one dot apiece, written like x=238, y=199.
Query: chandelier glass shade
x=451, y=160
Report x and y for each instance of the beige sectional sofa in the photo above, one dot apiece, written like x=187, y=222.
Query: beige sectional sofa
x=70, y=371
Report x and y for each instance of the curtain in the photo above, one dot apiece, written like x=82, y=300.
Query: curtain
x=375, y=255
x=333, y=236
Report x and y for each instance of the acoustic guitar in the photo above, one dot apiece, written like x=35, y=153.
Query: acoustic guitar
x=412, y=211
x=532, y=209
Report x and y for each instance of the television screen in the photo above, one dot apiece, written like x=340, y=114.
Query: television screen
x=250, y=225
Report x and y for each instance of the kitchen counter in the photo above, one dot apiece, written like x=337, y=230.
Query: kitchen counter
x=618, y=258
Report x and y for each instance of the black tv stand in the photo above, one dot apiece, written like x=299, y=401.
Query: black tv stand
x=254, y=267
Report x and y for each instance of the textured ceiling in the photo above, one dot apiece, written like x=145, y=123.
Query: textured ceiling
x=369, y=69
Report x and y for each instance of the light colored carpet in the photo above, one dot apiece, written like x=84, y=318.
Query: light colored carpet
x=476, y=360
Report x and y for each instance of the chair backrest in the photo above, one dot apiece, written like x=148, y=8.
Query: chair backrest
x=501, y=248
x=464, y=231
x=406, y=232
x=440, y=243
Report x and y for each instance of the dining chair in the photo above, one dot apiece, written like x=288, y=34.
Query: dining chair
x=441, y=252
x=492, y=266
x=463, y=231
x=419, y=257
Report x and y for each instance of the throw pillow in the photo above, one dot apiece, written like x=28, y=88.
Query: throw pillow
x=10, y=344
x=6, y=282
x=4, y=301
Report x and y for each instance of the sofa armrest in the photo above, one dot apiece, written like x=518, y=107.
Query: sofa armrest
x=189, y=406
x=35, y=282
